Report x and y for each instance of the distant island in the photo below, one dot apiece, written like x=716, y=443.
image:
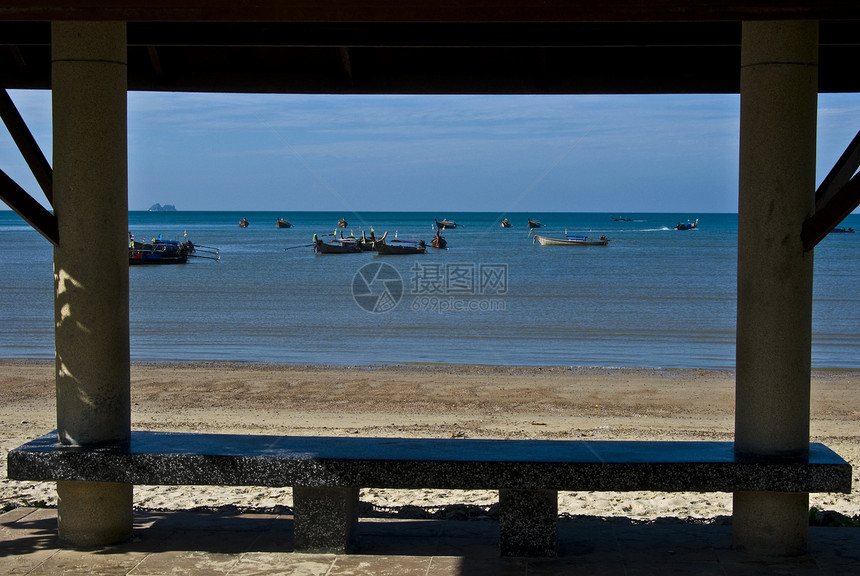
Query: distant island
x=160, y=208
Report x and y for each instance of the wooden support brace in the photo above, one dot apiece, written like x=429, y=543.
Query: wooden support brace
x=27, y=145
x=836, y=198
x=27, y=208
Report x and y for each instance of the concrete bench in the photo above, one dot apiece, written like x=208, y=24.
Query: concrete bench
x=326, y=473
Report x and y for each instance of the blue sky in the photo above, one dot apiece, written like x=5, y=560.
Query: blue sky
x=667, y=153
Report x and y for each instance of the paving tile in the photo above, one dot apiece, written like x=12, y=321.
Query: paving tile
x=19, y=565
x=203, y=544
x=476, y=547
x=393, y=544
x=735, y=563
x=661, y=554
x=363, y=565
x=273, y=541
x=106, y=562
x=284, y=564
x=577, y=538
x=178, y=563
x=14, y=515
x=827, y=546
x=477, y=566
x=469, y=528
x=28, y=537
x=212, y=541
x=425, y=528
x=590, y=566
x=678, y=569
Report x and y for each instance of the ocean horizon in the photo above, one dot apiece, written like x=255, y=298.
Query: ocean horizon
x=655, y=297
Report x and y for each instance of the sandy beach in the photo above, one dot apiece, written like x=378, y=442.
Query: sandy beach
x=441, y=401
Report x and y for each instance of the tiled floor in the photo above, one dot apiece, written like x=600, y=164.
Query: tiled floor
x=222, y=543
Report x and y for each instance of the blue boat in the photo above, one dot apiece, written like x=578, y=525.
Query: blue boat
x=160, y=251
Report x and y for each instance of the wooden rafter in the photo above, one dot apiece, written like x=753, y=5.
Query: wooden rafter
x=836, y=198
x=155, y=60
x=27, y=208
x=10, y=192
x=346, y=65
x=27, y=145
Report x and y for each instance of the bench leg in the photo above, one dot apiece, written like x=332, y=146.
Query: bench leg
x=770, y=523
x=528, y=522
x=94, y=513
x=324, y=519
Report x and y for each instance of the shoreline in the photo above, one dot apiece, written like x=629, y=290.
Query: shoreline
x=419, y=365
x=430, y=400
x=416, y=364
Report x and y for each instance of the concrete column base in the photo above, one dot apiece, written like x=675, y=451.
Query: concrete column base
x=770, y=523
x=528, y=522
x=324, y=519
x=94, y=513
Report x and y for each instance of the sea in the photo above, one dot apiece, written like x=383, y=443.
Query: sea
x=655, y=297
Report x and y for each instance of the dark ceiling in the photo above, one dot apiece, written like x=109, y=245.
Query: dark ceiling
x=413, y=46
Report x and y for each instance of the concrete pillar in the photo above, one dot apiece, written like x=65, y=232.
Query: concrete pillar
x=89, y=83
x=779, y=97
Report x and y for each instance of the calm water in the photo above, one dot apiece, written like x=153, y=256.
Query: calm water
x=655, y=297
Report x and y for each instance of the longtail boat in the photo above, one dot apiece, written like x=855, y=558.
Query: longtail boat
x=570, y=240
x=338, y=246
x=438, y=240
x=384, y=246
x=160, y=251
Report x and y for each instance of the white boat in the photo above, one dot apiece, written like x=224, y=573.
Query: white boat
x=571, y=240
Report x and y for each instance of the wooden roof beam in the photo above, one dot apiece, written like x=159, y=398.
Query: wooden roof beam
x=428, y=10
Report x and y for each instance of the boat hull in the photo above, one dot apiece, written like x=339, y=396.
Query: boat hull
x=159, y=252
x=545, y=241
x=384, y=248
x=322, y=248
x=141, y=259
